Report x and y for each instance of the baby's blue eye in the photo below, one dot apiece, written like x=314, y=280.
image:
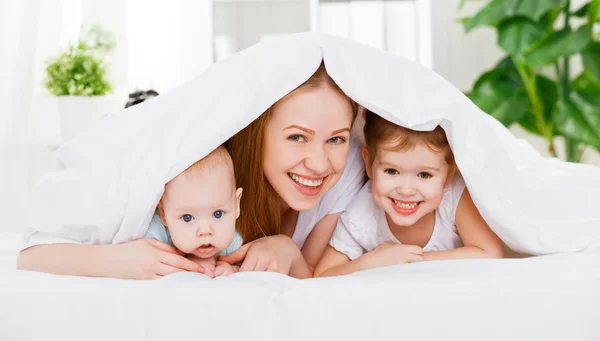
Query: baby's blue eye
x=218, y=214
x=187, y=218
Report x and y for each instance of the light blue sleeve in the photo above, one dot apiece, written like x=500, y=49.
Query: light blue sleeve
x=158, y=231
x=236, y=243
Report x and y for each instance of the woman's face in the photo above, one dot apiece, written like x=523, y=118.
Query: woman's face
x=306, y=145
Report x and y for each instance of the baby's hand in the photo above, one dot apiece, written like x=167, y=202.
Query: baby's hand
x=207, y=263
x=390, y=253
x=225, y=269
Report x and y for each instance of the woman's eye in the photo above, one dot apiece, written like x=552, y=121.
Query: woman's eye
x=391, y=171
x=187, y=218
x=218, y=214
x=424, y=175
x=337, y=140
x=297, y=138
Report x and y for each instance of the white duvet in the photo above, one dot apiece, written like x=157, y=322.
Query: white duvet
x=115, y=171
x=549, y=298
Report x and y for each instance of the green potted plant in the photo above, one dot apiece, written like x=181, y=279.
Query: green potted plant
x=79, y=77
x=534, y=85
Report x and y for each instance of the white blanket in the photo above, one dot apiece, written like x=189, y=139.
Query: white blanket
x=550, y=298
x=115, y=171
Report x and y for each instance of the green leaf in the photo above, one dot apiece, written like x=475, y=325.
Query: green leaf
x=493, y=13
x=582, y=11
x=586, y=82
x=593, y=12
x=535, y=9
x=547, y=91
x=528, y=122
x=559, y=44
x=591, y=59
x=500, y=93
x=578, y=118
x=515, y=35
x=589, y=10
x=505, y=70
x=499, y=10
x=501, y=101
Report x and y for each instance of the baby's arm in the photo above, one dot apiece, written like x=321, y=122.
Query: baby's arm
x=478, y=239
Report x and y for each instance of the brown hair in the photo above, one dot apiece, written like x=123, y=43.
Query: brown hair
x=260, y=210
x=379, y=131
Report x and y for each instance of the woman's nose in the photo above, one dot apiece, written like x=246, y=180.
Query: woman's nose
x=318, y=161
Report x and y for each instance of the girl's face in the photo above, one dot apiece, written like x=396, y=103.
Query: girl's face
x=408, y=185
x=306, y=145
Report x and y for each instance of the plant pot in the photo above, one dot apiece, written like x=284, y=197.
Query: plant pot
x=77, y=112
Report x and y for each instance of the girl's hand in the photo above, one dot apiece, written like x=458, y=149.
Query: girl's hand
x=225, y=269
x=150, y=259
x=390, y=253
x=274, y=253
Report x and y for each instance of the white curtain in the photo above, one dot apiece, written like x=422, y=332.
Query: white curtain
x=160, y=44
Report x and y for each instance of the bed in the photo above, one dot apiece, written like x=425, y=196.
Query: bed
x=552, y=297
x=101, y=198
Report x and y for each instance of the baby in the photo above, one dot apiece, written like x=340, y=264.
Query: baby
x=415, y=206
x=198, y=210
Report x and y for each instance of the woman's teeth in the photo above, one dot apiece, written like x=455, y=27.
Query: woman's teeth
x=405, y=205
x=305, y=182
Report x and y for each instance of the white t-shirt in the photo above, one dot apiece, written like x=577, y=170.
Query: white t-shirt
x=337, y=198
x=363, y=226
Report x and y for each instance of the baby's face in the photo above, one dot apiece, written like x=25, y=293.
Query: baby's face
x=200, y=210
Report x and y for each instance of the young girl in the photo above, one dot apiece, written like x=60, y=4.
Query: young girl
x=415, y=206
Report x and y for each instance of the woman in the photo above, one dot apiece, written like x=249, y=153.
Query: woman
x=298, y=168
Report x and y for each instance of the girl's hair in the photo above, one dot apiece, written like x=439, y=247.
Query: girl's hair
x=260, y=209
x=379, y=131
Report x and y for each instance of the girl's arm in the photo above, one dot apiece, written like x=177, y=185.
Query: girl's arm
x=478, y=239
x=335, y=263
x=318, y=240
x=139, y=259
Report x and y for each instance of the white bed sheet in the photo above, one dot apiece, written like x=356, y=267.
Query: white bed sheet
x=543, y=298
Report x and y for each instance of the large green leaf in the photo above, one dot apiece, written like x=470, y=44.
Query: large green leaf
x=501, y=101
x=591, y=59
x=535, y=9
x=547, y=91
x=515, y=35
x=582, y=11
x=493, y=13
x=559, y=44
x=586, y=82
x=589, y=10
x=500, y=93
x=498, y=10
x=593, y=12
x=578, y=118
x=505, y=70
